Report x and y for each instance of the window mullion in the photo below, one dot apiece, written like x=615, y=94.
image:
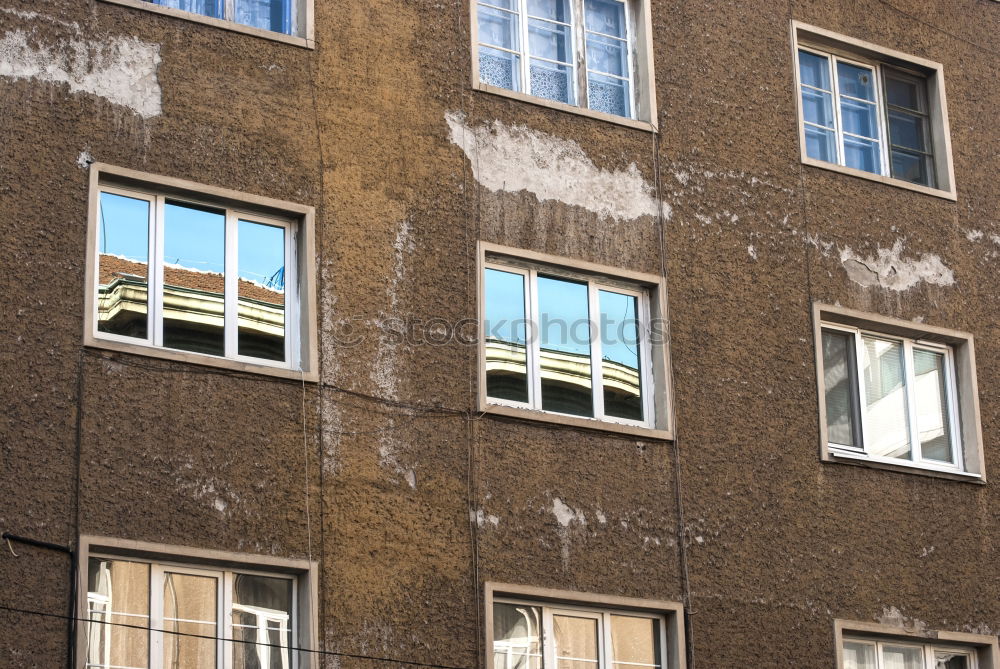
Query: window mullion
x=548, y=640
x=594, y=333
x=225, y=620
x=883, y=120
x=156, y=616
x=156, y=274
x=534, y=334
x=525, y=55
x=644, y=330
x=859, y=347
x=604, y=651
x=580, y=57
x=954, y=418
x=839, y=130
x=231, y=291
x=629, y=43
x=290, y=278
x=911, y=400
x=229, y=10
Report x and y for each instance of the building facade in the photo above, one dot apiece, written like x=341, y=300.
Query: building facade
x=576, y=334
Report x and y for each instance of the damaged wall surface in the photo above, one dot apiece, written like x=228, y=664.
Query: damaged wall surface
x=385, y=472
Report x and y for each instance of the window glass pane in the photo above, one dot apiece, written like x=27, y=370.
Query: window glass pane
x=948, y=660
x=117, y=604
x=887, y=429
x=817, y=107
x=261, y=291
x=608, y=94
x=211, y=8
x=506, y=343
x=551, y=81
x=517, y=634
x=908, y=130
x=862, y=154
x=498, y=28
x=621, y=379
x=814, y=70
x=550, y=40
x=606, y=54
x=189, y=611
x=576, y=642
x=194, y=247
x=820, y=144
x=913, y=167
x=273, y=15
x=262, y=615
x=839, y=382
x=860, y=118
x=606, y=16
x=499, y=68
x=554, y=10
x=859, y=655
x=930, y=391
x=565, y=346
x=635, y=642
x=905, y=92
x=855, y=81
x=123, y=266
x=902, y=657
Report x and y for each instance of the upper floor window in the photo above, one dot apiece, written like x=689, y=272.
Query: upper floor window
x=589, y=54
x=276, y=15
x=572, y=343
x=889, y=654
x=872, y=111
x=898, y=393
x=186, y=272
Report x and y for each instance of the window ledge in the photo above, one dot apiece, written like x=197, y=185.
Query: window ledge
x=551, y=104
x=294, y=40
x=840, y=457
x=573, y=421
x=199, y=359
x=898, y=183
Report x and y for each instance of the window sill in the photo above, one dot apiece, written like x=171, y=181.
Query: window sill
x=573, y=421
x=870, y=176
x=834, y=457
x=551, y=104
x=294, y=40
x=199, y=359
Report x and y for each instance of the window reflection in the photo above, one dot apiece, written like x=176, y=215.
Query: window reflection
x=635, y=642
x=620, y=355
x=517, y=636
x=576, y=642
x=261, y=304
x=262, y=610
x=887, y=422
x=117, y=608
x=505, y=327
x=565, y=346
x=933, y=423
x=189, y=610
x=123, y=266
x=194, y=248
x=839, y=383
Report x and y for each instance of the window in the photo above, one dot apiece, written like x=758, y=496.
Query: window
x=874, y=654
x=897, y=392
x=572, y=343
x=283, y=20
x=872, y=111
x=532, y=628
x=145, y=612
x=590, y=54
x=184, y=272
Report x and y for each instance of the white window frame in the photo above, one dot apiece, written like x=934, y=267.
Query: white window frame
x=600, y=614
x=834, y=46
x=302, y=33
x=961, y=382
x=638, y=30
x=951, y=391
x=224, y=606
x=530, y=273
x=928, y=650
x=300, y=340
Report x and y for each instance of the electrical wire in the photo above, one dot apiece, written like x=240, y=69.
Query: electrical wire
x=930, y=25
x=297, y=649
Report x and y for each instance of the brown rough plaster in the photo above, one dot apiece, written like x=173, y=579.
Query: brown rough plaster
x=779, y=544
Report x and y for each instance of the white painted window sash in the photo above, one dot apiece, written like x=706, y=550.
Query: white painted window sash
x=928, y=652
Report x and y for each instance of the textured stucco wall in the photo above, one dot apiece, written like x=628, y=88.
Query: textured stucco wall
x=378, y=129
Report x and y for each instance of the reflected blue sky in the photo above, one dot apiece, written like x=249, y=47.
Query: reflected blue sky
x=124, y=229
x=505, y=318
x=564, y=314
x=194, y=238
x=261, y=256
x=619, y=328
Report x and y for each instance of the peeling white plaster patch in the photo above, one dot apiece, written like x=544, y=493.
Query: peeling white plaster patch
x=894, y=617
x=926, y=551
x=891, y=271
x=565, y=515
x=516, y=158
x=752, y=251
x=84, y=160
x=481, y=518
x=220, y=505
x=601, y=518
x=974, y=235
x=699, y=539
x=121, y=70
